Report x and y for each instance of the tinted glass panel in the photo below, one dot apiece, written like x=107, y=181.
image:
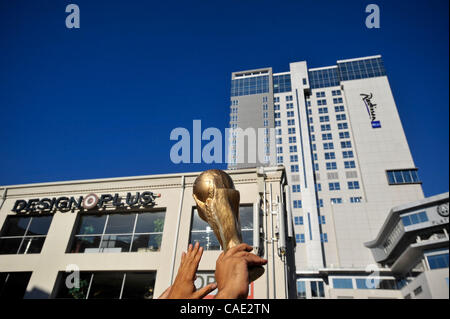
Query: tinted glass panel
x=91, y=224
x=138, y=286
x=32, y=245
x=342, y=283
x=106, y=286
x=39, y=225
x=14, y=284
x=116, y=244
x=301, y=290
x=120, y=224
x=79, y=292
x=86, y=244
x=15, y=226
x=9, y=245
x=206, y=239
x=150, y=222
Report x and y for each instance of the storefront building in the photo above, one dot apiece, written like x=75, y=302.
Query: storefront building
x=123, y=237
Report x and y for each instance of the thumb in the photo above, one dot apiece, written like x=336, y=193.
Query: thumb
x=199, y=294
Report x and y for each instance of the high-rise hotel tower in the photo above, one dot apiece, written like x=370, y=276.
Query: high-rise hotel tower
x=339, y=135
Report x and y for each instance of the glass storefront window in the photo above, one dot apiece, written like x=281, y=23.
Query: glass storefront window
x=131, y=232
x=108, y=285
x=24, y=234
x=13, y=284
x=203, y=233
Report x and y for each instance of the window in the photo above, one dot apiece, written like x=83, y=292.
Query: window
x=327, y=137
x=128, y=232
x=342, y=283
x=322, y=220
x=296, y=188
x=280, y=159
x=108, y=285
x=331, y=166
x=321, y=102
x=294, y=168
x=279, y=131
x=336, y=200
x=324, y=238
x=13, y=285
x=408, y=176
x=347, y=154
x=311, y=128
x=349, y=164
x=289, y=106
x=277, y=115
x=292, y=139
x=24, y=234
x=341, y=117
x=293, y=158
x=360, y=69
x=301, y=285
x=320, y=202
x=344, y=135
x=298, y=220
x=293, y=148
x=279, y=149
x=323, y=110
x=336, y=92
x=343, y=126
x=313, y=138
x=416, y=218
x=346, y=144
x=418, y=291
x=328, y=146
x=330, y=155
x=337, y=100
x=279, y=140
x=438, y=261
x=202, y=232
x=316, y=166
x=325, y=118
x=339, y=108
x=320, y=94
x=334, y=186
x=325, y=127
x=376, y=283
x=250, y=85
x=291, y=122
x=290, y=113
x=299, y=238
x=291, y=130
x=288, y=98
x=353, y=185
x=357, y=199
x=276, y=99
x=297, y=203
x=318, y=187
x=276, y=107
x=317, y=290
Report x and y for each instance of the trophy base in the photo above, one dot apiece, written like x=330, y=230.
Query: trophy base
x=255, y=272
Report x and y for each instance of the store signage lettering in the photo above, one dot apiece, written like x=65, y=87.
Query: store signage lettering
x=87, y=202
x=371, y=109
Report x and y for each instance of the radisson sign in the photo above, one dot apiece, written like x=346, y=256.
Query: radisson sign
x=90, y=201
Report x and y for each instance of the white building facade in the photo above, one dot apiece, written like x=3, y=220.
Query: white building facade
x=125, y=236
x=339, y=135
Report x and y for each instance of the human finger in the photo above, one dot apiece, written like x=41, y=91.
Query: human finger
x=199, y=294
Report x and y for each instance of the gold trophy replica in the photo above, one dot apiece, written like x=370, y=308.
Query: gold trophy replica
x=218, y=204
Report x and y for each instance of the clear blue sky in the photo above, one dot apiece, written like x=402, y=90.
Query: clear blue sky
x=101, y=101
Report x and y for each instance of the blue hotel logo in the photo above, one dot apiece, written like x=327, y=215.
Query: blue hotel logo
x=367, y=98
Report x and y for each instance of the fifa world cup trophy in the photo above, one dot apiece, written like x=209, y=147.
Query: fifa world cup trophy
x=218, y=204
